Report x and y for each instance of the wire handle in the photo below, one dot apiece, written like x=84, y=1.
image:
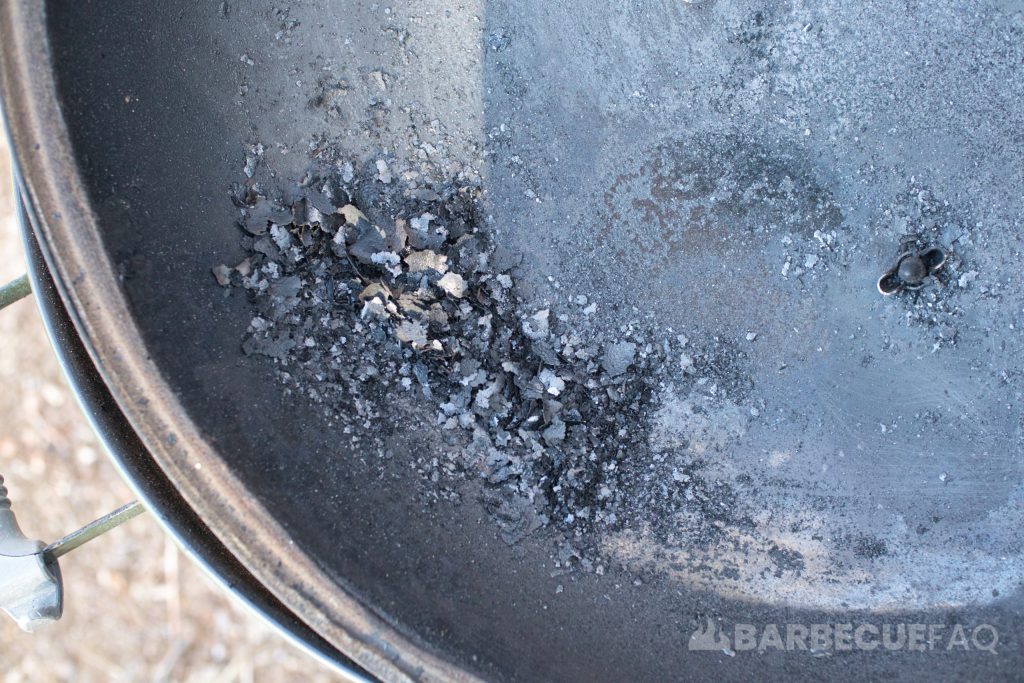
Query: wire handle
x=14, y=291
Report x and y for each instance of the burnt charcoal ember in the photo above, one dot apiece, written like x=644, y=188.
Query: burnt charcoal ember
x=418, y=303
x=516, y=516
x=222, y=274
x=362, y=239
x=275, y=345
x=618, y=357
x=260, y=215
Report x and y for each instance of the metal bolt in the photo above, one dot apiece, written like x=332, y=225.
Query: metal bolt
x=912, y=270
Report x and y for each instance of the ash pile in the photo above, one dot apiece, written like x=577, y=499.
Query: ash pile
x=364, y=294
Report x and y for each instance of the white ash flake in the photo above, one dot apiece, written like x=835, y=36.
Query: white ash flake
x=453, y=284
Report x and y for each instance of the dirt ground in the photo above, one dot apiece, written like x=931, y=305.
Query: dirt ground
x=137, y=608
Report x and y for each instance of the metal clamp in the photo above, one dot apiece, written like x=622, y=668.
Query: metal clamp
x=31, y=587
x=31, y=590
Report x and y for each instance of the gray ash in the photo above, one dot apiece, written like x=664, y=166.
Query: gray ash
x=365, y=290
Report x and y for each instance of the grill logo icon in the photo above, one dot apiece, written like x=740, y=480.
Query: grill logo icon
x=708, y=638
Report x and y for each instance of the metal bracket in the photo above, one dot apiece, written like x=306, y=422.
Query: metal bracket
x=31, y=590
x=31, y=587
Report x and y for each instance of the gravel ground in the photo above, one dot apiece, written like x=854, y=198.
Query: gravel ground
x=136, y=608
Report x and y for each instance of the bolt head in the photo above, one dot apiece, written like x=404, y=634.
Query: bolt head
x=912, y=269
